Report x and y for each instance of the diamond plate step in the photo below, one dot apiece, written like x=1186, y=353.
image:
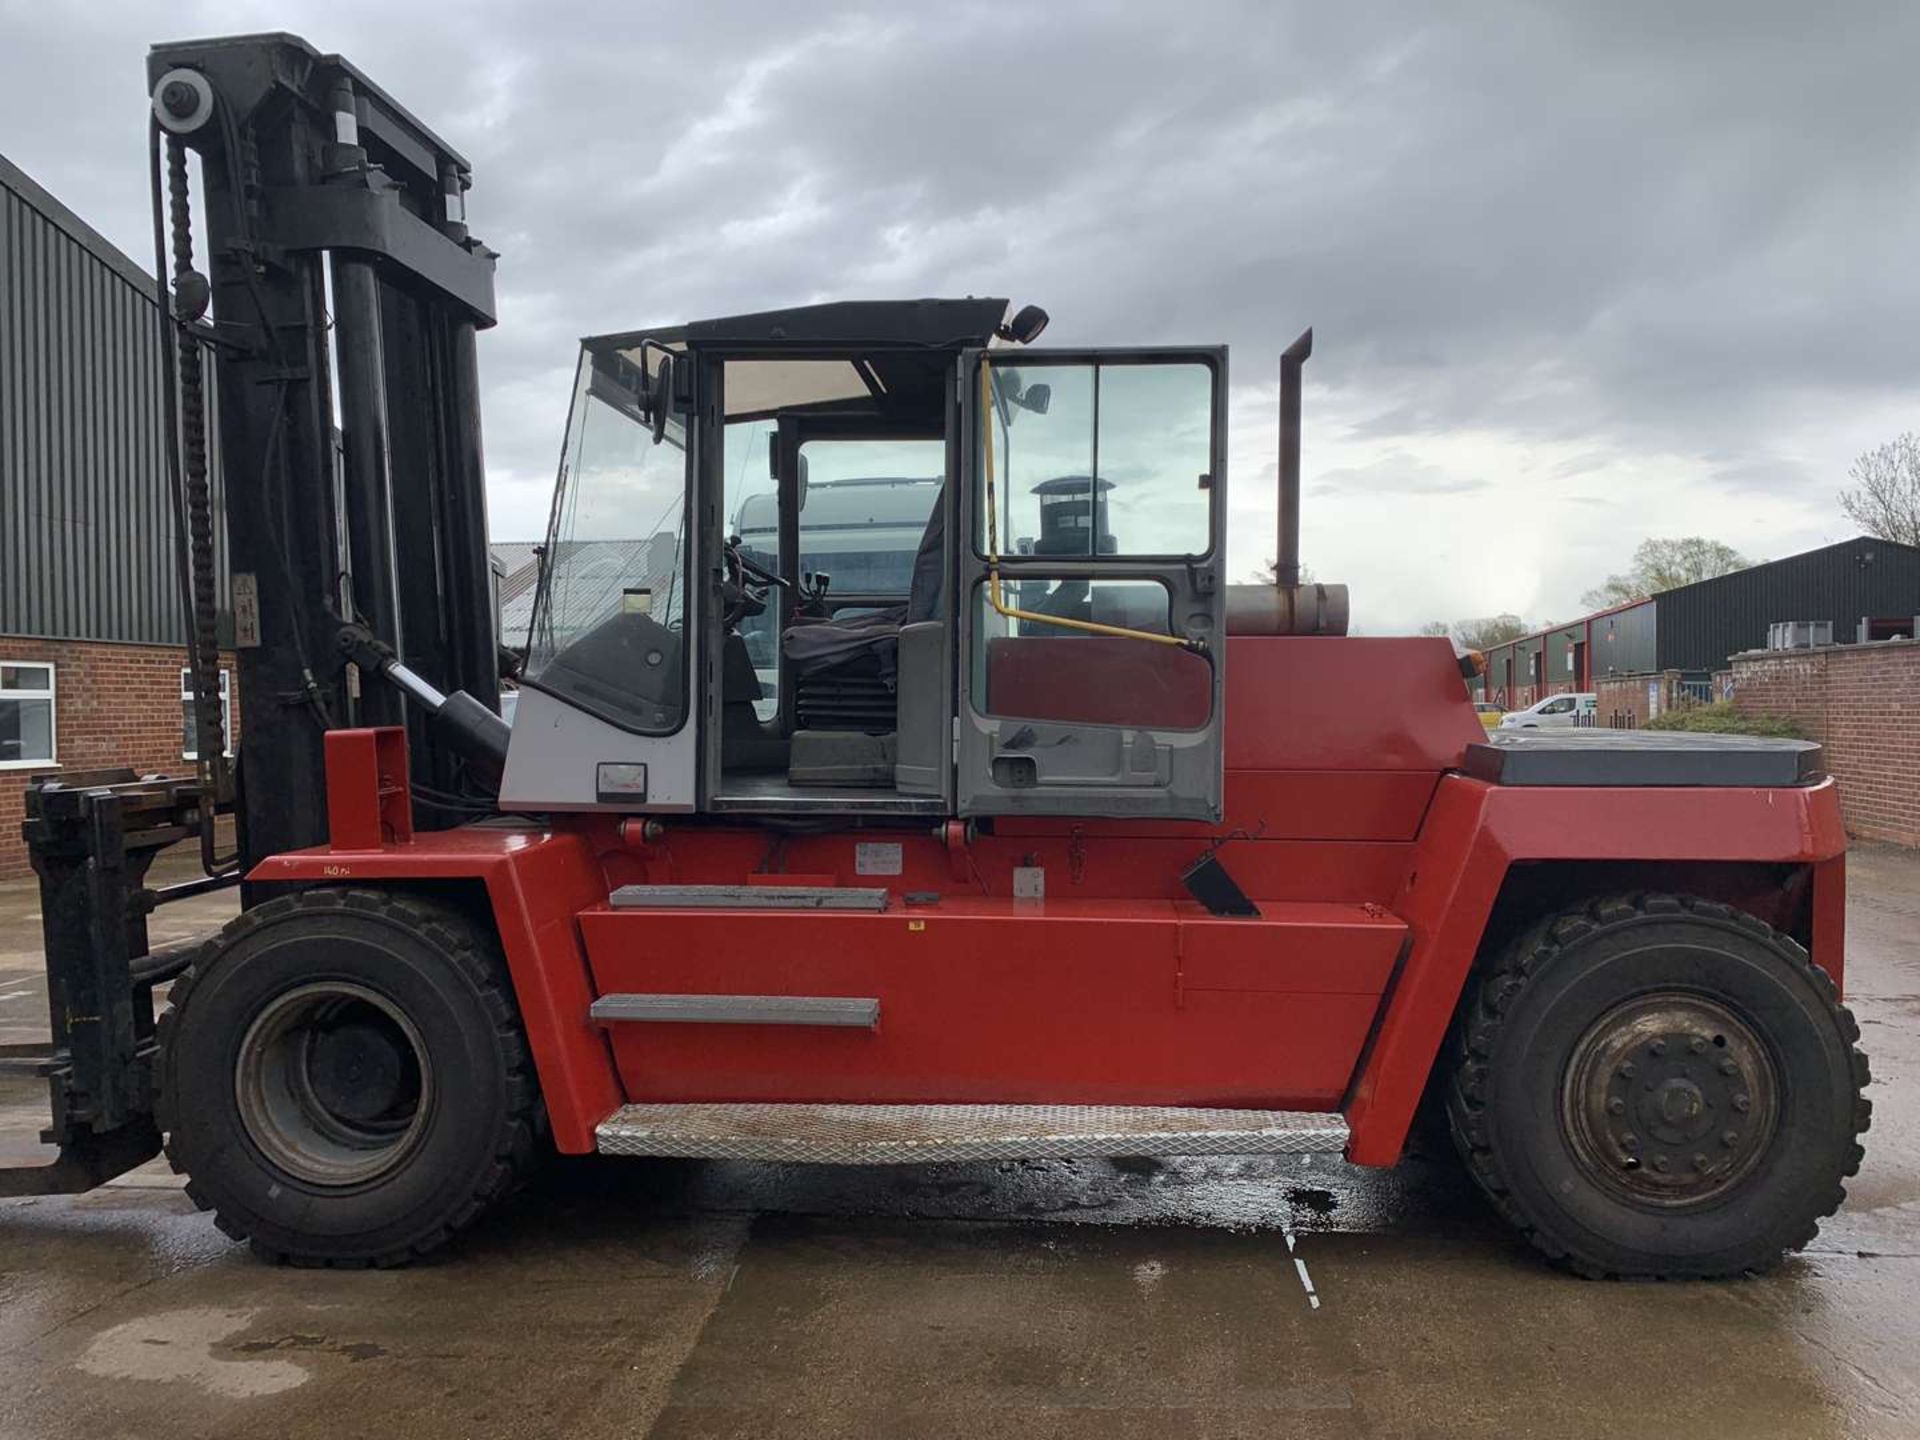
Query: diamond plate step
x=906, y=1134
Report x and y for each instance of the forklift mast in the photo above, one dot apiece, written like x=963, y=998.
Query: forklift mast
x=345, y=294
x=340, y=300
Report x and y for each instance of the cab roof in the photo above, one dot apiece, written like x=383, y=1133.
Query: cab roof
x=841, y=325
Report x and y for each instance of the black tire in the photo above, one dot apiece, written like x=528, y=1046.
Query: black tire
x=344, y=1078
x=1688, y=1020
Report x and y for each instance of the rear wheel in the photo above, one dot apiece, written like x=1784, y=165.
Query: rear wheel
x=344, y=1079
x=1659, y=1086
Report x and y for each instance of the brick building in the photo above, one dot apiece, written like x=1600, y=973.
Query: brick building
x=91, y=629
x=1862, y=702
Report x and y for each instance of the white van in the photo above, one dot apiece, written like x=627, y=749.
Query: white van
x=1579, y=709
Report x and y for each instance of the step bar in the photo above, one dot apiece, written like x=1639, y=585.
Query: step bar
x=748, y=897
x=919, y=1134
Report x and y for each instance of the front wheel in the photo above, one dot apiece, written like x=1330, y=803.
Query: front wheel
x=344, y=1080
x=1659, y=1086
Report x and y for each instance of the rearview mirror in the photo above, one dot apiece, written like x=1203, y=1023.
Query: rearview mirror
x=660, y=398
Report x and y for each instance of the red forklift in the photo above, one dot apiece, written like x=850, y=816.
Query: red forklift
x=1034, y=837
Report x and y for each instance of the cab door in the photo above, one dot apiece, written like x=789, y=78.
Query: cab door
x=1092, y=594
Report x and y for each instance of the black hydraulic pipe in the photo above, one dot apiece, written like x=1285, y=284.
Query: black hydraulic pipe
x=474, y=661
x=363, y=425
x=470, y=729
x=1286, y=565
x=187, y=889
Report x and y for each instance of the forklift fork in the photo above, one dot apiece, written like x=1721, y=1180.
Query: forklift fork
x=91, y=838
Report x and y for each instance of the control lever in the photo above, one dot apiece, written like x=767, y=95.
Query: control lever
x=814, y=585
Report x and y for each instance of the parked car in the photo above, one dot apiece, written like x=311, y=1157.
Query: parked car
x=1489, y=714
x=1578, y=709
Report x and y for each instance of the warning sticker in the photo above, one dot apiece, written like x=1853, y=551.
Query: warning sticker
x=875, y=857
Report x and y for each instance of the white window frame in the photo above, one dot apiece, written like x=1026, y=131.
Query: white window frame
x=51, y=696
x=191, y=752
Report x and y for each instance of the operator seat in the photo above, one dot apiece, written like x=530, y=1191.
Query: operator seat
x=816, y=645
x=869, y=698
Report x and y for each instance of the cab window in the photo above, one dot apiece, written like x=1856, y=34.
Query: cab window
x=1097, y=461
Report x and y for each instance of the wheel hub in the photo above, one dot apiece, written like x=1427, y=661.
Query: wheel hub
x=1670, y=1100
x=333, y=1083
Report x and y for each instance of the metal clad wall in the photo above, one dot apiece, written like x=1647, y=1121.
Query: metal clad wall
x=1702, y=624
x=1557, y=657
x=86, y=530
x=1623, y=642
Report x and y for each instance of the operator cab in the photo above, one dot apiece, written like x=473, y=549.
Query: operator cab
x=872, y=558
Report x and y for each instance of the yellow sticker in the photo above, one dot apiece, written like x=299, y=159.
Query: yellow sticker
x=916, y=925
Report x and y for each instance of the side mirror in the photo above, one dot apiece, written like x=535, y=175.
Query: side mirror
x=660, y=398
x=1026, y=325
x=1036, y=398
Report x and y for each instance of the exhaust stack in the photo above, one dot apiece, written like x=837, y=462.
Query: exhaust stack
x=1286, y=566
x=1287, y=607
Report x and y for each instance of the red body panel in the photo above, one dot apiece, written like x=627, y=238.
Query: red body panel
x=1475, y=831
x=1098, y=680
x=984, y=1000
x=1375, y=869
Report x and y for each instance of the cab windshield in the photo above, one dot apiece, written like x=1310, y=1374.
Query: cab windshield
x=608, y=625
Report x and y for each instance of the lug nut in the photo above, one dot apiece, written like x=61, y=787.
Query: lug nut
x=1627, y=1071
x=1630, y=1142
x=1728, y=1067
x=1660, y=1163
x=1700, y=1162
x=1741, y=1103
x=1616, y=1106
x=1698, y=1045
x=1658, y=1047
x=1729, y=1138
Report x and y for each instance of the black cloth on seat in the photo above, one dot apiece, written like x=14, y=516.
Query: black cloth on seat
x=819, y=644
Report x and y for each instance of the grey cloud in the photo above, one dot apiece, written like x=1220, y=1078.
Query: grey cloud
x=1637, y=231
x=1394, y=474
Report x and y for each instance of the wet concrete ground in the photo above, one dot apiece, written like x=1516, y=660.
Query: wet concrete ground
x=633, y=1298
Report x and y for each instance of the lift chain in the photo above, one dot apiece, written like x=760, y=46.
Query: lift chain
x=209, y=728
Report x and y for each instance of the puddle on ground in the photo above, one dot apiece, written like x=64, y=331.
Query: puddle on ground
x=178, y=1346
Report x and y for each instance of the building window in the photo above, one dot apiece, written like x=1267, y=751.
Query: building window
x=188, y=749
x=26, y=715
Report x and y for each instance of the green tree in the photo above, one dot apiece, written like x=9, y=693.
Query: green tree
x=1663, y=565
x=1267, y=574
x=1483, y=632
x=1884, y=499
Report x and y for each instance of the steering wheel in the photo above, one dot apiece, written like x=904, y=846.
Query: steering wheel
x=737, y=557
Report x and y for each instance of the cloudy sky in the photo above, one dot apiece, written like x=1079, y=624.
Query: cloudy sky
x=1579, y=274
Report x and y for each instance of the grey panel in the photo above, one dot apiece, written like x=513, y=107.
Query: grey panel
x=833, y=1010
x=86, y=533
x=555, y=755
x=1642, y=757
x=924, y=746
x=909, y=1134
x=747, y=897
